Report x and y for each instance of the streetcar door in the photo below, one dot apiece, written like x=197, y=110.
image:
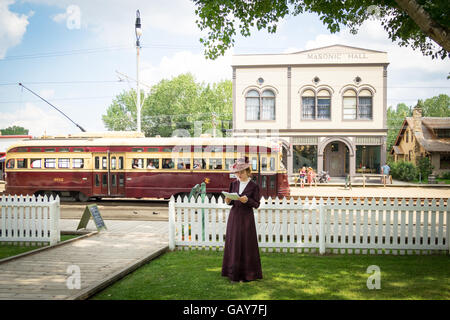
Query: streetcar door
x=262, y=178
x=100, y=174
x=116, y=173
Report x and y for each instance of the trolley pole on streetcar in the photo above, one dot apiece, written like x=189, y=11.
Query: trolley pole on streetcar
x=138, y=31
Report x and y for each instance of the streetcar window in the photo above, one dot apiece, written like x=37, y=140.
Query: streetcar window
x=49, y=163
x=121, y=180
x=167, y=164
x=215, y=164
x=272, y=163
x=229, y=163
x=63, y=163
x=152, y=149
x=113, y=180
x=10, y=164
x=199, y=164
x=152, y=163
x=63, y=149
x=137, y=164
x=78, y=163
x=49, y=149
x=97, y=181
x=272, y=182
x=104, y=163
x=35, y=150
x=21, y=163
x=113, y=163
x=97, y=162
x=184, y=164
x=212, y=149
x=104, y=180
x=168, y=149
x=35, y=163
x=21, y=149
x=137, y=149
x=120, y=162
x=78, y=149
x=264, y=164
x=264, y=183
x=254, y=164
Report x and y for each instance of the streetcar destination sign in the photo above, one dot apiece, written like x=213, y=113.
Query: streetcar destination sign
x=91, y=210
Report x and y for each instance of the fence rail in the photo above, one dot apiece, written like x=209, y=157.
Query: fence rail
x=29, y=219
x=324, y=224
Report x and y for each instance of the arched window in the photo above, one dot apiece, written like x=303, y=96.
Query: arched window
x=316, y=106
x=252, y=105
x=323, y=104
x=349, y=105
x=357, y=105
x=260, y=107
x=308, y=105
x=268, y=105
x=365, y=104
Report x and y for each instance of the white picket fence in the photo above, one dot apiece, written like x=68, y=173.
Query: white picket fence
x=324, y=225
x=29, y=219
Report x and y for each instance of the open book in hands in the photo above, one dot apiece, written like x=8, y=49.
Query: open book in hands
x=232, y=196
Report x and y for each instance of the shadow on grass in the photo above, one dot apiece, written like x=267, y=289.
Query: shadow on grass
x=287, y=276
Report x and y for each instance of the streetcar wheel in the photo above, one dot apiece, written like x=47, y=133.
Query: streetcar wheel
x=82, y=197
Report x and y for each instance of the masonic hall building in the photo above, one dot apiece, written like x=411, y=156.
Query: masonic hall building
x=326, y=105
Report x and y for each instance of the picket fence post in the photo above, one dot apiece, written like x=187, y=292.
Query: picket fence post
x=321, y=227
x=172, y=223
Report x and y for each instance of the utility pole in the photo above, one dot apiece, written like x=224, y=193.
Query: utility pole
x=138, y=31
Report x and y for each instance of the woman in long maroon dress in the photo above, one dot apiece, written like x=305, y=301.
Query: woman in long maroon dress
x=241, y=261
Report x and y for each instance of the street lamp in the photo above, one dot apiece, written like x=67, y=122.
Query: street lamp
x=138, y=31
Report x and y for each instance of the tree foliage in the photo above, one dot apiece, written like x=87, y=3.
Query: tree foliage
x=416, y=23
x=14, y=130
x=178, y=106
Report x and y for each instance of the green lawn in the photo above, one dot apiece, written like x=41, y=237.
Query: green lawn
x=196, y=275
x=7, y=250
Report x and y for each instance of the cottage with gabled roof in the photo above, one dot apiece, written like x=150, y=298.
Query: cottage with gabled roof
x=424, y=137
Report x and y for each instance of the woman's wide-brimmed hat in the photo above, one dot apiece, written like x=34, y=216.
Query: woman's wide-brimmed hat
x=239, y=165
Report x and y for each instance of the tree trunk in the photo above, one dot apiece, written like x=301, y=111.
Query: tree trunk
x=430, y=27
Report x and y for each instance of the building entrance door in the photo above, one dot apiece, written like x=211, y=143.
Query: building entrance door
x=335, y=158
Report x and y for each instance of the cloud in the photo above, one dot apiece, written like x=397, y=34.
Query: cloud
x=114, y=20
x=185, y=61
x=12, y=27
x=36, y=120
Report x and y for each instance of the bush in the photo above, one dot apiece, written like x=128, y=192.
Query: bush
x=404, y=171
x=424, y=167
x=445, y=175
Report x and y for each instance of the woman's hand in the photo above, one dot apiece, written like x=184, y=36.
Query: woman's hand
x=243, y=199
x=227, y=200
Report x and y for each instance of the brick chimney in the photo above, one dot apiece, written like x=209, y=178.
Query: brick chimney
x=417, y=117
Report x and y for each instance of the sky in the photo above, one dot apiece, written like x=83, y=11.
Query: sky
x=74, y=53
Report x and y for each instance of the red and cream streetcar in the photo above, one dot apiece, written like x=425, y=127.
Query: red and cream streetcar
x=127, y=165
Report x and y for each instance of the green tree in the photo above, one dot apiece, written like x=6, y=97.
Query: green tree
x=14, y=130
x=395, y=118
x=416, y=23
x=180, y=105
x=438, y=106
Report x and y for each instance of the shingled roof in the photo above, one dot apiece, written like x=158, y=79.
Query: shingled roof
x=426, y=137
